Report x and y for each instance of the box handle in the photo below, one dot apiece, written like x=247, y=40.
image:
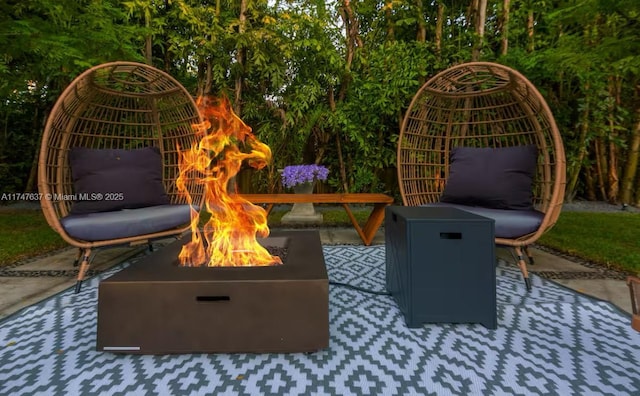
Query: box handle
x=450, y=235
x=212, y=298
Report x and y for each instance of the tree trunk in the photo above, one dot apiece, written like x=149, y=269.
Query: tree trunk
x=240, y=58
x=343, y=169
x=421, y=34
x=5, y=133
x=38, y=125
x=600, y=151
x=632, y=160
x=208, y=80
x=504, y=31
x=148, y=41
x=439, y=27
x=390, y=24
x=590, y=184
x=353, y=41
x=471, y=14
x=204, y=77
x=530, y=31
x=573, y=170
x=205, y=66
x=168, y=55
x=613, y=180
x=480, y=22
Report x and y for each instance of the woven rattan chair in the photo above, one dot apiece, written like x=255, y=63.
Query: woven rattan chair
x=117, y=106
x=483, y=105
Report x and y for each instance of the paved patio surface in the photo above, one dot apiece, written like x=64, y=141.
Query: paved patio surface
x=28, y=282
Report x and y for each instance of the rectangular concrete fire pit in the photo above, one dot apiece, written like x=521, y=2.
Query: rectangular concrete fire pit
x=156, y=306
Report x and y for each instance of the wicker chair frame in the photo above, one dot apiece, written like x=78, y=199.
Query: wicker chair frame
x=118, y=105
x=480, y=104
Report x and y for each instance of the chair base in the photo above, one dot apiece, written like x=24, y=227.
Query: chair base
x=516, y=252
x=84, y=257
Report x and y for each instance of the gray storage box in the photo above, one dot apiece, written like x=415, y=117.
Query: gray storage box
x=440, y=265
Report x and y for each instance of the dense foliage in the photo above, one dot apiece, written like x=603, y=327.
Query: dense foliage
x=328, y=82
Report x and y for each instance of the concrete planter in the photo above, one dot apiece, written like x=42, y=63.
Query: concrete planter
x=302, y=213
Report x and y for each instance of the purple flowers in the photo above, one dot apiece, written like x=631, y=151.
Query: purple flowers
x=300, y=174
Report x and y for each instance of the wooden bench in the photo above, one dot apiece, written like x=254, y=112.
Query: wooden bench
x=379, y=201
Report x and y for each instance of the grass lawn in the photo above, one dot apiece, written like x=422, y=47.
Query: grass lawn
x=330, y=217
x=25, y=233
x=610, y=239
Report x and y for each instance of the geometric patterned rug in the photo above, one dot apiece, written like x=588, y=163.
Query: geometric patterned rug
x=550, y=341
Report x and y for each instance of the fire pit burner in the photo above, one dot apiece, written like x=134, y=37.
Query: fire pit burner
x=157, y=307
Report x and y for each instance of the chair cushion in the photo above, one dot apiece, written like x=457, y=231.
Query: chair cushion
x=499, y=178
x=114, y=179
x=509, y=224
x=125, y=223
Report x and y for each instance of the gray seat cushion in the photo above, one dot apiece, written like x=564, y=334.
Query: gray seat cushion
x=508, y=223
x=125, y=223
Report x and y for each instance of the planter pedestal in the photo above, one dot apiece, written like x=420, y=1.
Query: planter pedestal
x=302, y=213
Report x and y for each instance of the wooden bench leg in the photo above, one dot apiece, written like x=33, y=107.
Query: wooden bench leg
x=354, y=221
x=374, y=221
x=371, y=226
x=268, y=208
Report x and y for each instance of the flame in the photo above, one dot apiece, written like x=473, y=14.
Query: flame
x=229, y=238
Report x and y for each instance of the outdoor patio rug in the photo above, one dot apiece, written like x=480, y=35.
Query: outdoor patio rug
x=549, y=341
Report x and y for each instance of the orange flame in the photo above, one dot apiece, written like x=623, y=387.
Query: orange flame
x=231, y=233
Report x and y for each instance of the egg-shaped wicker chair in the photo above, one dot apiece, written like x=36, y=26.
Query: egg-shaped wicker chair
x=490, y=106
x=119, y=112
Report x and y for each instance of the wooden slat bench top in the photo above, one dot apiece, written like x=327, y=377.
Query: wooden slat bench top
x=351, y=198
x=366, y=233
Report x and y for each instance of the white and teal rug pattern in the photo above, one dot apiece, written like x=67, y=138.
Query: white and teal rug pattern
x=550, y=341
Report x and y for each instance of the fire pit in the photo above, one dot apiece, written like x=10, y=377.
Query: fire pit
x=156, y=306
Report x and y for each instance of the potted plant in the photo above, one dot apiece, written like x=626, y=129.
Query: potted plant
x=302, y=178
